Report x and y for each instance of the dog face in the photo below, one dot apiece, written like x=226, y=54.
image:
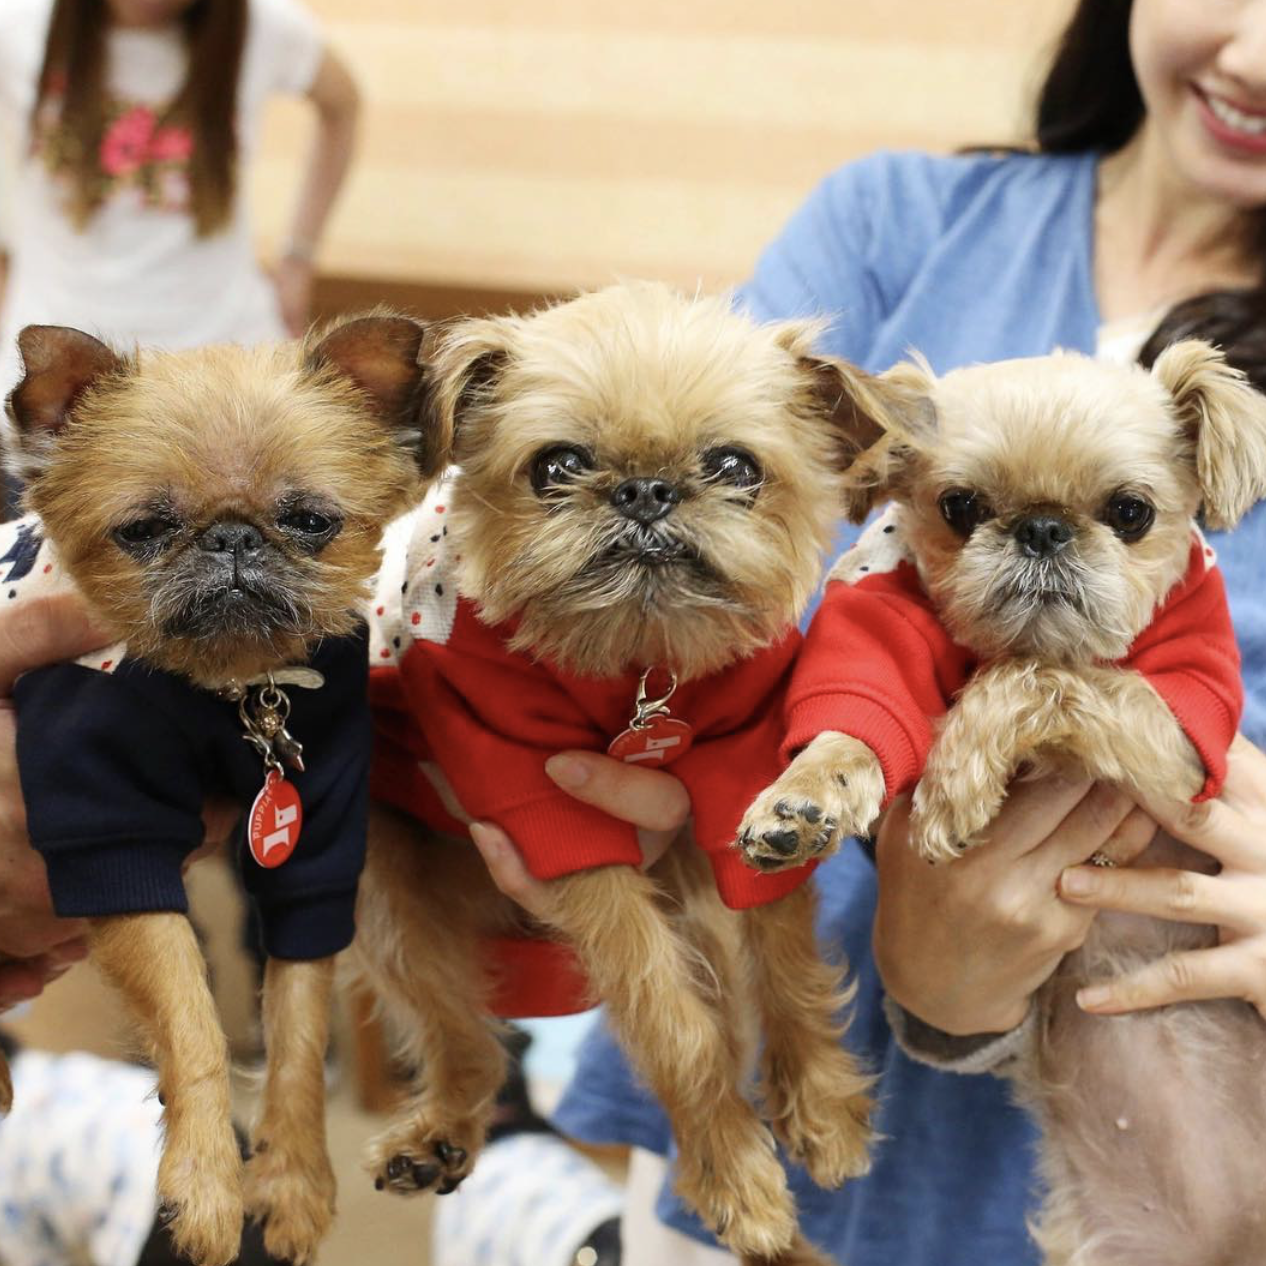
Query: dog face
x=221, y=509
x=647, y=479
x=1049, y=502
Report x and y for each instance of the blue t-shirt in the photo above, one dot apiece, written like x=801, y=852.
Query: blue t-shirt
x=970, y=258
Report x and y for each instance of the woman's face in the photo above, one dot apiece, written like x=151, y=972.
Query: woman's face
x=1201, y=66
x=146, y=13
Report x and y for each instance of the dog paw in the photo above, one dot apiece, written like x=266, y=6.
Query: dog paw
x=942, y=828
x=808, y=811
x=415, y=1159
x=739, y=1188
x=200, y=1197
x=823, y=1119
x=292, y=1197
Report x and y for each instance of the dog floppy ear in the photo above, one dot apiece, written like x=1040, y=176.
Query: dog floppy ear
x=59, y=365
x=1225, y=419
x=469, y=363
x=878, y=421
x=382, y=353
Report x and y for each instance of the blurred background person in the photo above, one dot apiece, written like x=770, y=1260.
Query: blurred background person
x=131, y=125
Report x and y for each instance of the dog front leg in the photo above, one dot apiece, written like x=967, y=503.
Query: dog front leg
x=290, y=1184
x=421, y=909
x=1005, y=715
x=155, y=962
x=661, y=998
x=1126, y=734
x=833, y=789
x=815, y=1095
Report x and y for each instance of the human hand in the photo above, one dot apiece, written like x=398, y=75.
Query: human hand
x=652, y=800
x=963, y=946
x=35, y=946
x=293, y=279
x=1231, y=830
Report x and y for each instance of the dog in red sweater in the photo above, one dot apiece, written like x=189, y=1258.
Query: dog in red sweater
x=645, y=487
x=1041, y=567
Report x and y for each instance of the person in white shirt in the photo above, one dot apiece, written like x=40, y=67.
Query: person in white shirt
x=132, y=124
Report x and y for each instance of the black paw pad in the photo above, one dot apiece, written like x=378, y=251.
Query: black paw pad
x=784, y=843
x=450, y=1156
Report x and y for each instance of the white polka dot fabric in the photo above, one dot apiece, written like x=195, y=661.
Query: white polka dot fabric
x=880, y=548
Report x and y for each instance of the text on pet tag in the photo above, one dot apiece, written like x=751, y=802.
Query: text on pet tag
x=276, y=818
x=653, y=736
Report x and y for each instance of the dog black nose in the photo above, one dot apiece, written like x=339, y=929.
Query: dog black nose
x=645, y=500
x=1043, y=536
x=231, y=538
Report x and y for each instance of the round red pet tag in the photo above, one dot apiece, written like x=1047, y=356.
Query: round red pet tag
x=275, y=821
x=659, y=741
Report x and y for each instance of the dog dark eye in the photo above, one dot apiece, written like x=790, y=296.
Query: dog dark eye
x=964, y=510
x=307, y=522
x=734, y=466
x=1128, y=516
x=552, y=467
x=143, y=533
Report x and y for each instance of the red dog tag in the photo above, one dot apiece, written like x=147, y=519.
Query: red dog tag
x=275, y=821
x=659, y=742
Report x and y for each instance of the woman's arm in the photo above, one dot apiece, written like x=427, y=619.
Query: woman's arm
x=337, y=101
x=1232, y=830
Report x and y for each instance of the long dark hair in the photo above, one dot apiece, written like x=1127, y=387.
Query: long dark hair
x=74, y=68
x=1090, y=100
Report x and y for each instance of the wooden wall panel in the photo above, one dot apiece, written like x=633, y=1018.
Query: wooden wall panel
x=564, y=142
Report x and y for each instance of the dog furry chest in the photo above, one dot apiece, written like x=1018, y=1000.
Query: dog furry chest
x=450, y=693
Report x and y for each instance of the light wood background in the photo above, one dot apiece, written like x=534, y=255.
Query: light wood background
x=545, y=144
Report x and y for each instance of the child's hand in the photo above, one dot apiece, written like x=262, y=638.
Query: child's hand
x=652, y=800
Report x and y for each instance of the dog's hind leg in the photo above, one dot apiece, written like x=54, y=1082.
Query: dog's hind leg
x=155, y=962
x=290, y=1184
x=815, y=1095
x=663, y=1000
x=417, y=946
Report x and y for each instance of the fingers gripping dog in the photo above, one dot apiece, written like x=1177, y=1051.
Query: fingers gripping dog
x=221, y=512
x=646, y=487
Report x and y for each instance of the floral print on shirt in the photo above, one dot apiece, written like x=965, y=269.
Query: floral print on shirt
x=141, y=149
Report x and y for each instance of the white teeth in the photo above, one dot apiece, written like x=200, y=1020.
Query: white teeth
x=1253, y=124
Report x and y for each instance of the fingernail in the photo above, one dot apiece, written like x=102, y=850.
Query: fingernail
x=1093, y=997
x=487, y=839
x=1078, y=882
x=567, y=771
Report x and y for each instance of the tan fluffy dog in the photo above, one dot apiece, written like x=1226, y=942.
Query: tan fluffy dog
x=1047, y=506
x=736, y=439
x=221, y=512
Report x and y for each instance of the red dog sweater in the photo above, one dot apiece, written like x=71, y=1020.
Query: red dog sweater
x=877, y=663
x=447, y=692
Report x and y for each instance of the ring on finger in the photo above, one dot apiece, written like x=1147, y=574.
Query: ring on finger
x=1100, y=858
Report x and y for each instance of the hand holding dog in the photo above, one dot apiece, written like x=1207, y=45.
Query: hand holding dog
x=1232, y=830
x=652, y=800
x=964, y=947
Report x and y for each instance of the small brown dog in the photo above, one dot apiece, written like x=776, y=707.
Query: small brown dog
x=221, y=512
x=646, y=486
x=1043, y=553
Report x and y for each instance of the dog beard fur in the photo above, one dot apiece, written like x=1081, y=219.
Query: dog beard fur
x=197, y=440
x=648, y=385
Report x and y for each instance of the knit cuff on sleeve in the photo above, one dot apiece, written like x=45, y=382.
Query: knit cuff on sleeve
x=951, y=1053
x=90, y=879
x=557, y=836
x=308, y=927
x=864, y=719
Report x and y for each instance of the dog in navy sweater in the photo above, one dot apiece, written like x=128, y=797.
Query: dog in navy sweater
x=221, y=512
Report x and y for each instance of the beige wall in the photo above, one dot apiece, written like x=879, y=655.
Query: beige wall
x=546, y=143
